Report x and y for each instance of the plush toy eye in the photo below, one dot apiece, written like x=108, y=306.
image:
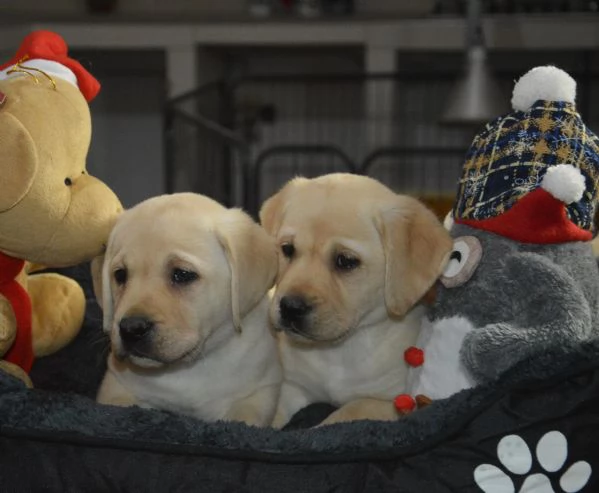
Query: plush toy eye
x=120, y=276
x=465, y=257
x=346, y=262
x=288, y=249
x=182, y=276
x=68, y=182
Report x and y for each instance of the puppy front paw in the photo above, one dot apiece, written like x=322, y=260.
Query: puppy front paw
x=370, y=409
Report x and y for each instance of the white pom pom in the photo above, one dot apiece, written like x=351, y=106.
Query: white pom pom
x=564, y=182
x=547, y=83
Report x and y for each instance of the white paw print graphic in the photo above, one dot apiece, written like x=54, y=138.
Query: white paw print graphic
x=515, y=456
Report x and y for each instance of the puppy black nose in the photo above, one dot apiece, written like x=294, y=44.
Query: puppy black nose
x=293, y=308
x=134, y=329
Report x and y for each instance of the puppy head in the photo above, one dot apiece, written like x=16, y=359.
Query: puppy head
x=351, y=253
x=179, y=273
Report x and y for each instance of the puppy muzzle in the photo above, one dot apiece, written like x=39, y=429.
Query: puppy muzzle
x=294, y=312
x=136, y=335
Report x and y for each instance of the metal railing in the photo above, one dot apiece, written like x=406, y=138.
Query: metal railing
x=238, y=142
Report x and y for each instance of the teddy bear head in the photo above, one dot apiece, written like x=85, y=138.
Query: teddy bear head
x=52, y=212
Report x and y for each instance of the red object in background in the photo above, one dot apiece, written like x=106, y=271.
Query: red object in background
x=414, y=356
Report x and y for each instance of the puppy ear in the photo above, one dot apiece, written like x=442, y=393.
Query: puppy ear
x=271, y=212
x=273, y=208
x=102, y=290
x=416, y=247
x=252, y=256
x=96, y=272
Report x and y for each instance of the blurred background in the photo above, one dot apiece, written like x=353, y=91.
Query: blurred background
x=231, y=98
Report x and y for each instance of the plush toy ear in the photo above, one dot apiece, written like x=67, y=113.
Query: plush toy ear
x=416, y=247
x=18, y=160
x=252, y=257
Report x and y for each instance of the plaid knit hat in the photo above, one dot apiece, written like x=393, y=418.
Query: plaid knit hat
x=532, y=175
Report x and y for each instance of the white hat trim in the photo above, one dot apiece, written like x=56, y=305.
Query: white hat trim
x=53, y=69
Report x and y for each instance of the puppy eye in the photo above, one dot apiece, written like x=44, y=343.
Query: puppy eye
x=68, y=182
x=288, y=249
x=120, y=276
x=346, y=262
x=463, y=260
x=182, y=276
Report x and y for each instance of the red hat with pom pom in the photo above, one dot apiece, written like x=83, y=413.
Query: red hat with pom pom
x=47, y=52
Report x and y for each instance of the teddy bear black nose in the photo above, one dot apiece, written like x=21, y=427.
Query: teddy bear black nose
x=134, y=329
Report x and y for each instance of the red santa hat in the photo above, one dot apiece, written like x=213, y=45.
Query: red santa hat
x=48, y=52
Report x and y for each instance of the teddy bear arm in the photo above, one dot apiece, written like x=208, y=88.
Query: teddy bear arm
x=58, y=310
x=16, y=371
x=8, y=325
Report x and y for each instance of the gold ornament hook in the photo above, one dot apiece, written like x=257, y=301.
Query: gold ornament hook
x=19, y=67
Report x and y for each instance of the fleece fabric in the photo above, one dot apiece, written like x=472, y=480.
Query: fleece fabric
x=56, y=438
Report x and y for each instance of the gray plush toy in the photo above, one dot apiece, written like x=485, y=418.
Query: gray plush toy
x=522, y=278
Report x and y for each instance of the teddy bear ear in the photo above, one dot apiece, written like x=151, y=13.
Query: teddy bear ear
x=18, y=160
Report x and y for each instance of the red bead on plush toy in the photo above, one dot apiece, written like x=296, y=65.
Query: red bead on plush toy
x=414, y=356
x=404, y=403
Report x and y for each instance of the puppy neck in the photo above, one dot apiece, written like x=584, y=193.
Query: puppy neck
x=391, y=327
x=380, y=318
x=253, y=326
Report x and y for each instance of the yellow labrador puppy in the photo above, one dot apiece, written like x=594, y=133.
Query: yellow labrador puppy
x=184, y=287
x=354, y=261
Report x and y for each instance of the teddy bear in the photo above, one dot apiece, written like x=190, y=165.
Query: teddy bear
x=522, y=278
x=52, y=212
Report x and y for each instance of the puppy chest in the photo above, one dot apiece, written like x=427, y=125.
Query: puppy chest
x=339, y=378
x=184, y=397
x=207, y=393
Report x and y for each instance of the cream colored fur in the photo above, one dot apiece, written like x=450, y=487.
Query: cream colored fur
x=210, y=354
x=349, y=349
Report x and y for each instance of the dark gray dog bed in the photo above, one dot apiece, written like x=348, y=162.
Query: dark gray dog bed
x=57, y=439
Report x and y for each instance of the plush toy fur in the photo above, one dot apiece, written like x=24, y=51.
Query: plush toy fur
x=540, y=297
x=52, y=213
x=523, y=299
